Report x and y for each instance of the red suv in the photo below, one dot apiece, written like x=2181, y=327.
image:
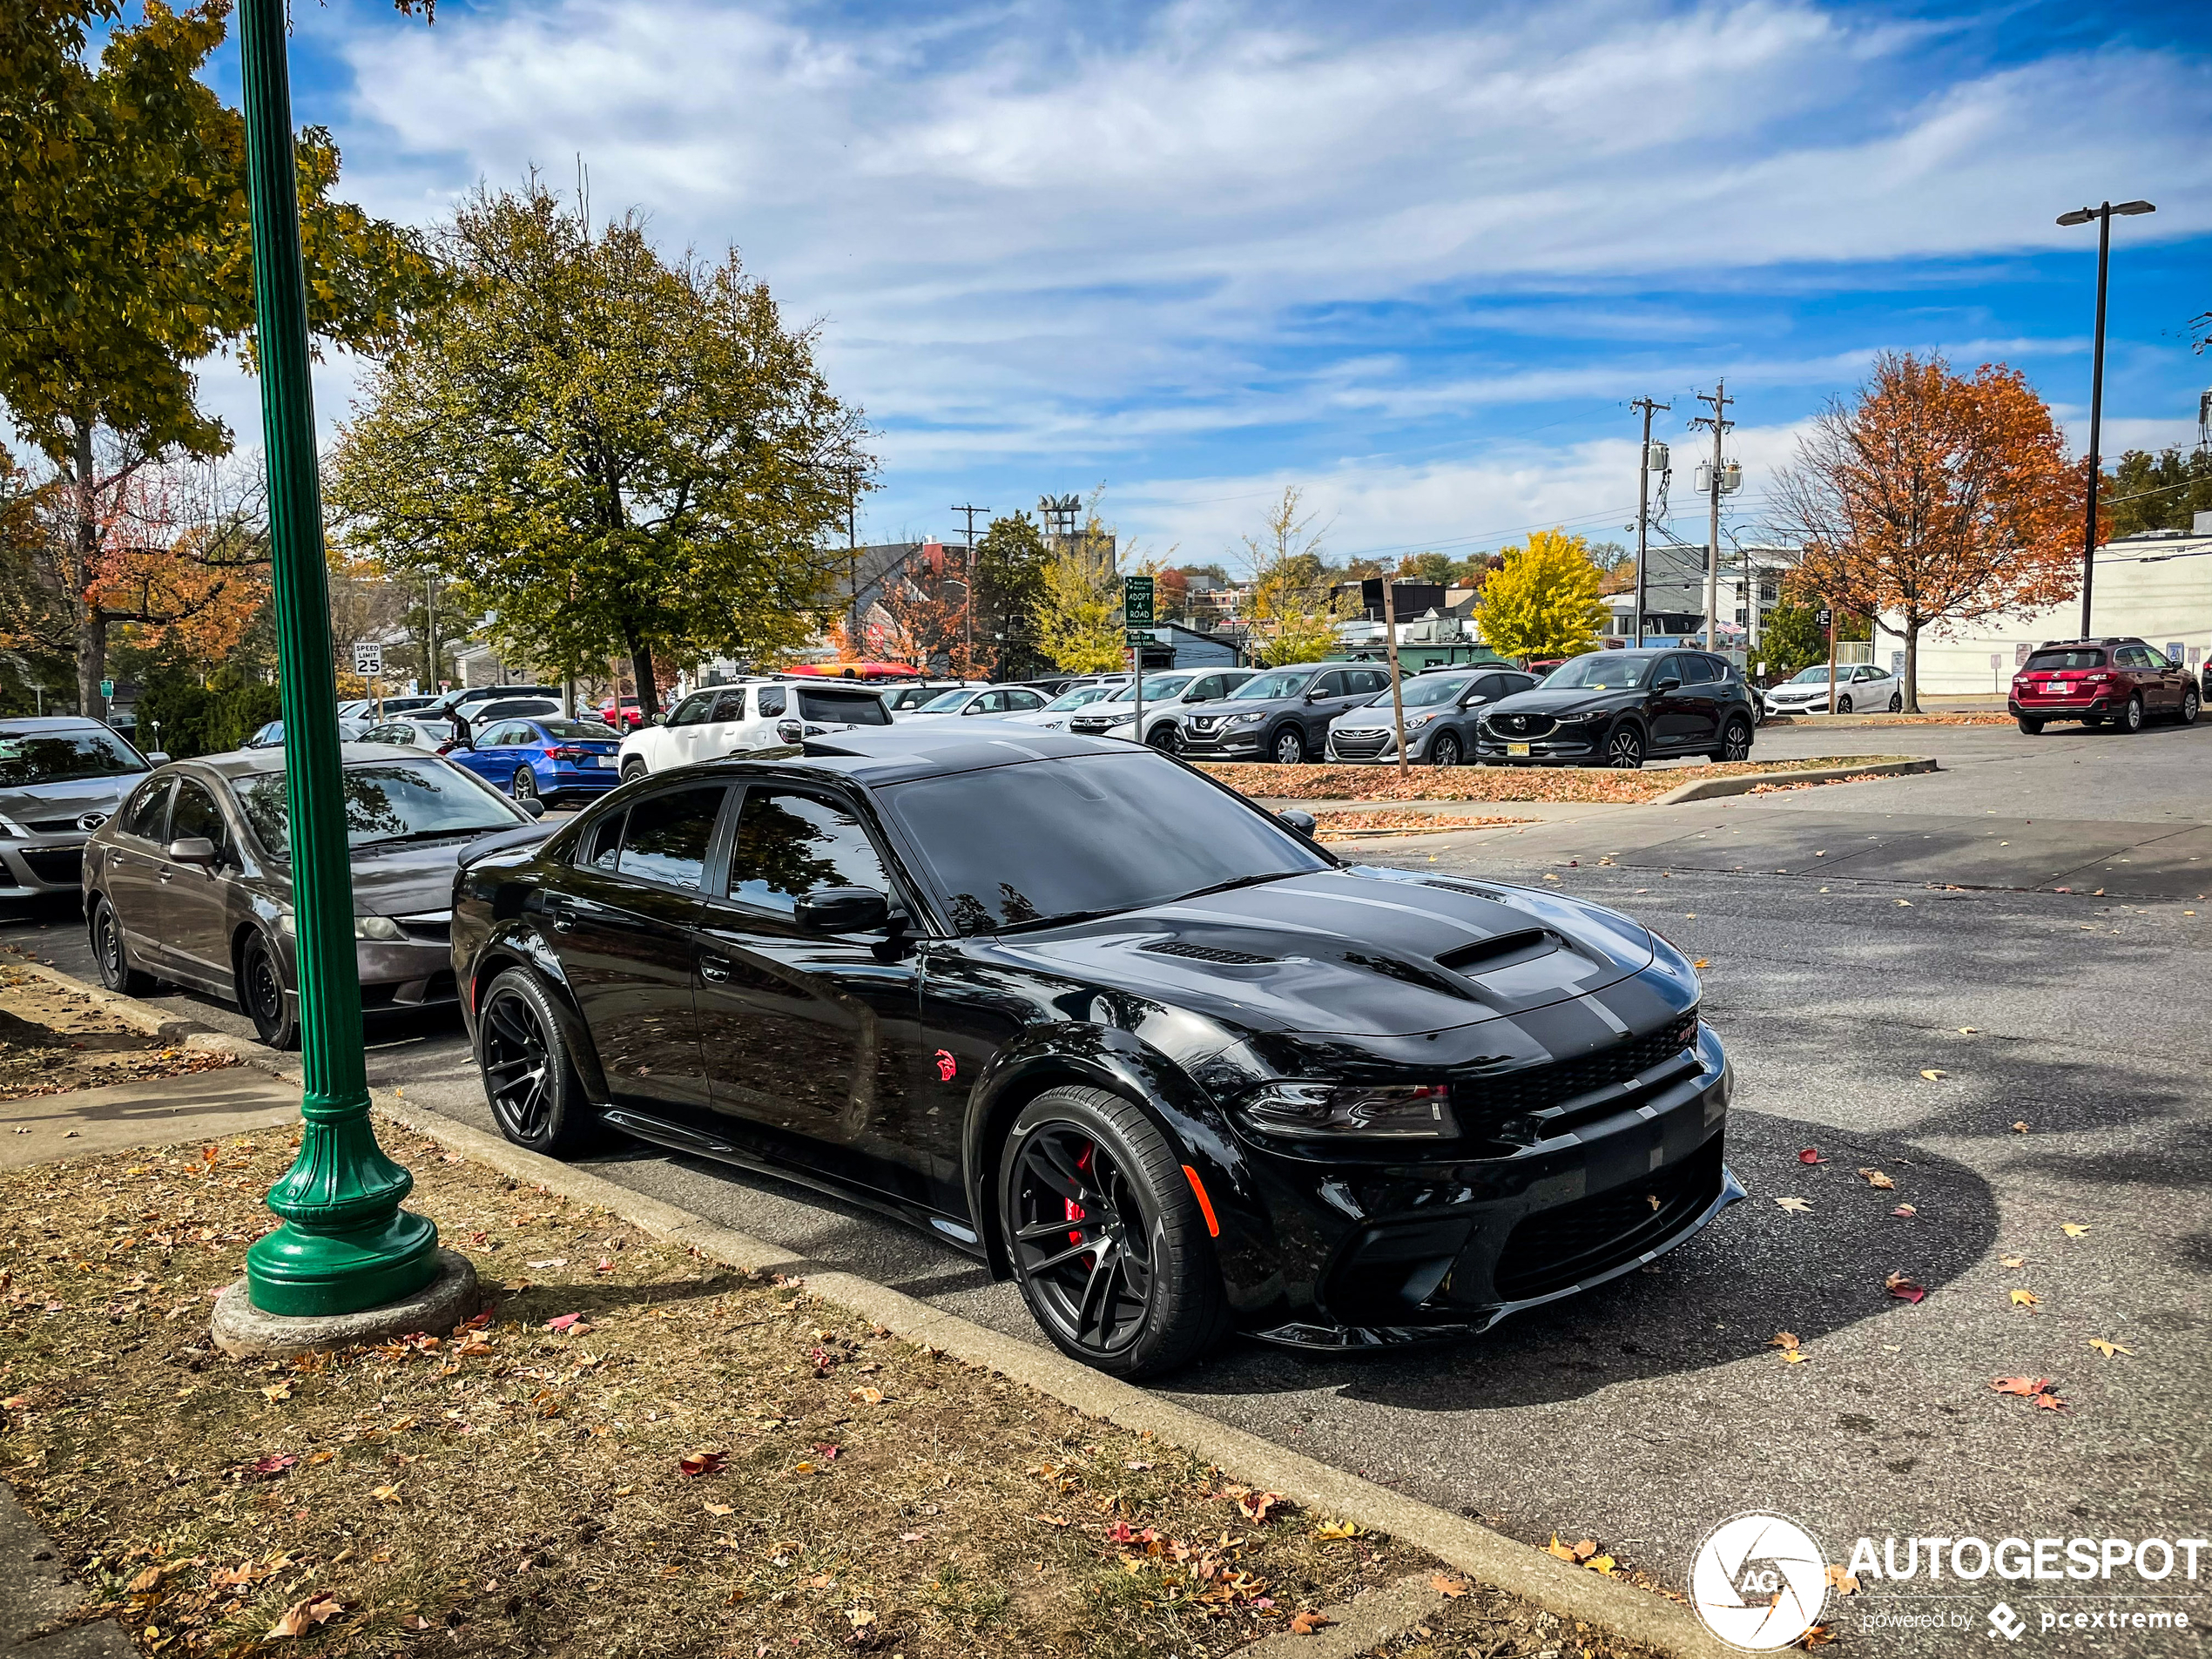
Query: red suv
x=2120, y=680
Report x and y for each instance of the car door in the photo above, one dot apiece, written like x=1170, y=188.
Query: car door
x=1330, y=694
x=622, y=920
x=812, y=1040
x=2161, y=687
x=1673, y=719
x=191, y=898
x=1017, y=700
x=685, y=730
x=723, y=729
x=131, y=876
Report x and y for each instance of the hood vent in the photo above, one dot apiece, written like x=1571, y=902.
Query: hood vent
x=1502, y=952
x=1206, y=954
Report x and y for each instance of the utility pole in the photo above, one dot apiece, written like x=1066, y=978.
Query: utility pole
x=2102, y=213
x=970, y=607
x=1396, y=698
x=1718, y=399
x=1644, y=509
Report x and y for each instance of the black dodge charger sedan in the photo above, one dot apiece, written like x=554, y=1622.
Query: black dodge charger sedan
x=1085, y=1013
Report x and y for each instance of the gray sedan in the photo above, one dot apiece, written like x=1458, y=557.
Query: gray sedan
x=191, y=879
x=60, y=779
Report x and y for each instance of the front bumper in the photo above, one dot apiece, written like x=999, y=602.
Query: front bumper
x=1382, y=1253
x=1359, y=747
x=1575, y=746
x=39, y=864
x=1225, y=744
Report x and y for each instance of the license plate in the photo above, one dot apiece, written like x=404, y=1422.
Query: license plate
x=595, y=760
x=1516, y=748
x=2053, y=688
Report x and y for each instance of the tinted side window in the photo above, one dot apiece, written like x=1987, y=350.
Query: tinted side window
x=1328, y=684
x=195, y=813
x=771, y=701
x=729, y=705
x=602, y=844
x=1699, y=671
x=692, y=710
x=1202, y=690
x=1023, y=702
x=667, y=841
x=1371, y=681
x=2128, y=657
x=788, y=846
x=147, y=810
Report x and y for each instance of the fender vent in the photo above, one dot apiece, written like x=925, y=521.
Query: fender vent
x=1204, y=954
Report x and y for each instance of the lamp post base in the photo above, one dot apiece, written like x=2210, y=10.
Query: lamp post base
x=242, y=1331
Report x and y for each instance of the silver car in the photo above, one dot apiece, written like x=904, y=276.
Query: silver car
x=60, y=779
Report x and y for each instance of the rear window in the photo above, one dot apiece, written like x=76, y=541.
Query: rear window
x=2046, y=662
x=847, y=708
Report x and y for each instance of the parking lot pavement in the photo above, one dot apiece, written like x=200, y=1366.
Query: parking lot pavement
x=1643, y=1412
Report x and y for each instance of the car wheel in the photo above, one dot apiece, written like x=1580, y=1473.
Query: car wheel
x=2190, y=704
x=2131, y=716
x=529, y=1078
x=261, y=993
x=1736, y=741
x=1166, y=738
x=1897, y=702
x=1843, y=705
x=522, y=785
x=632, y=769
x=1106, y=1237
x=112, y=952
x=1445, y=752
x=1624, y=751
x=2030, y=724
x=1289, y=747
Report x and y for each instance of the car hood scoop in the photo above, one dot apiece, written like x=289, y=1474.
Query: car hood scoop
x=1354, y=952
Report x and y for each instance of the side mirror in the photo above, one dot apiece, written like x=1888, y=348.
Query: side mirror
x=843, y=910
x=157, y=757
x=1472, y=698
x=1669, y=684
x=789, y=731
x=533, y=807
x=194, y=849
x=1302, y=822
x=1312, y=695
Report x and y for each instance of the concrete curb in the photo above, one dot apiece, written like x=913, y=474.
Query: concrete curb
x=1520, y=1569
x=1743, y=783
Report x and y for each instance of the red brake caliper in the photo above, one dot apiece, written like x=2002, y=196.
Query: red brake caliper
x=1075, y=1209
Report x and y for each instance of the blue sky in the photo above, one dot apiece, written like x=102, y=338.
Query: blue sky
x=1413, y=258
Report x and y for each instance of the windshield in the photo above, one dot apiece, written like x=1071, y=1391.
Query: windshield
x=63, y=757
x=946, y=704
x=1425, y=691
x=393, y=800
x=1045, y=839
x=1282, y=682
x=1601, y=671
x=1818, y=672
x=1077, y=697
x=560, y=729
x=852, y=708
x=1161, y=687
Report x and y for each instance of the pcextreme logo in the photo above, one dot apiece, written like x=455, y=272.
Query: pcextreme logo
x=1759, y=1582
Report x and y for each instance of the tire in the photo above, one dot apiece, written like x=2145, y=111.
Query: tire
x=2130, y=719
x=112, y=951
x=2191, y=705
x=1843, y=705
x=632, y=769
x=1624, y=750
x=530, y=1079
x=1445, y=750
x=1081, y=1165
x=2030, y=724
x=1897, y=702
x=1167, y=738
x=1287, y=747
x=523, y=786
x=1736, y=740
x=261, y=993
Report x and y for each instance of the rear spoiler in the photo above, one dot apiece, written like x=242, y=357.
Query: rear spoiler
x=500, y=840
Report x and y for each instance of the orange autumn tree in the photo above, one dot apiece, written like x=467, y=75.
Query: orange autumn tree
x=1932, y=498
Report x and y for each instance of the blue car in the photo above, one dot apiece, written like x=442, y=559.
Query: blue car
x=544, y=759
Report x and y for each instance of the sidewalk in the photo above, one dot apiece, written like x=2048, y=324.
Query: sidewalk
x=158, y=1111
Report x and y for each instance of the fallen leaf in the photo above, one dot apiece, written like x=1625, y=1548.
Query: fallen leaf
x=1787, y=1339
x=2019, y=1129
x=1843, y=1582
x=386, y=1495
x=304, y=1616
x=1444, y=1585
x=1904, y=1211
x=1811, y=1155
x=278, y=1390
x=1934, y=1074
x=564, y=1322
x=1819, y=1636
x=1701, y=962
x=867, y=1396
x=1565, y=1552
x=2109, y=1349
x=2048, y=1402
x=144, y=1581
x=1585, y=1548
x=1329, y=1531
x=860, y=1616
x=2011, y=1261
x=718, y=1509
x=1606, y=1563
x=1255, y=1505
x=1876, y=1178
x=2028, y=1387
x=1966, y=1031
x=2072, y=1229
x=1903, y=1288
x=700, y=1462
x=1306, y=1624
x=1795, y=1206
x=2024, y=1299
x=1795, y=1357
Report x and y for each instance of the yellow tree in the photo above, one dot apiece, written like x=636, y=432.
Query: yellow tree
x=1080, y=622
x=1933, y=498
x=1544, y=601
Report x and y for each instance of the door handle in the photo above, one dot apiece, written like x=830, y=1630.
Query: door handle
x=714, y=970
x=563, y=917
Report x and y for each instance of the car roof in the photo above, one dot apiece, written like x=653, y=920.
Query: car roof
x=249, y=763
x=879, y=755
x=31, y=723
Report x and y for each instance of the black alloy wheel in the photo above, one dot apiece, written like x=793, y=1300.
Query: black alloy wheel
x=1445, y=752
x=113, y=954
x=2131, y=716
x=1289, y=747
x=261, y=993
x=1843, y=704
x=2190, y=706
x=1736, y=740
x=523, y=784
x=2030, y=724
x=1624, y=750
x=1106, y=1237
x=529, y=1078
x=1167, y=738
x=1897, y=702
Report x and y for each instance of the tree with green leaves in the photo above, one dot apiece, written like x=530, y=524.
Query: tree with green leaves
x=2161, y=492
x=1543, y=600
x=603, y=450
x=126, y=261
x=1790, y=638
x=1080, y=622
x=1010, y=559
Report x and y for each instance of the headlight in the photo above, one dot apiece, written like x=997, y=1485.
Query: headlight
x=1248, y=720
x=381, y=928
x=1414, y=722
x=1371, y=1111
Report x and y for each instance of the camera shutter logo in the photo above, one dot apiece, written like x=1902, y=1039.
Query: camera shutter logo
x=1759, y=1581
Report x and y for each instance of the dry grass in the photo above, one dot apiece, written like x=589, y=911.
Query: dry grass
x=520, y=1490
x=53, y=1041
x=1594, y=784
x=1340, y=825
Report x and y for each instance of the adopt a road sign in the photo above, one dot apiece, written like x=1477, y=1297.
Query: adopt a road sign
x=1137, y=602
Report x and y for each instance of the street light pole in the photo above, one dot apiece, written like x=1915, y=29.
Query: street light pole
x=2102, y=213
x=346, y=1245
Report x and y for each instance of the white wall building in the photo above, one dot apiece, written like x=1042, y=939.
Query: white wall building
x=2156, y=585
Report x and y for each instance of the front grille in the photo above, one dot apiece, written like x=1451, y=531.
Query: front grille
x=1205, y=952
x=1535, y=1089
x=1360, y=745
x=62, y=826
x=57, y=866
x=1555, y=1248
x=1523, y=726
x=1093, y=723
x=1205, y=723
x=434, y=929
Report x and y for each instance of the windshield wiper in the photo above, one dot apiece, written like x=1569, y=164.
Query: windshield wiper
x=1068, y=918
x=413, y=836
x=1240, y=881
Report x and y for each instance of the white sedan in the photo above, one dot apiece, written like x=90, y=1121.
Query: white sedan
x=1861, y=688
x=990, y=702
x=1053, y=717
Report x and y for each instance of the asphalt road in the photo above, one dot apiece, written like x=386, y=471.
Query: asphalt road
x=1856, y=937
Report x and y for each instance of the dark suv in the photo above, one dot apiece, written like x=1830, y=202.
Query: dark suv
x=2120, y=679
x=1619, y=708
x=1282, y=715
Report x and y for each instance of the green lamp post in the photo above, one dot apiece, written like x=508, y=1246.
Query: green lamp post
x=346, y=1245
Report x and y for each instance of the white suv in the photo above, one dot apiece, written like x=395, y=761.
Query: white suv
x=755, y=714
